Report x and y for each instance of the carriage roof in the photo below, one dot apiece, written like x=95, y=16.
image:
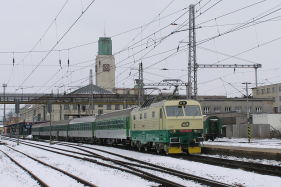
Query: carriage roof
x=83, y=120
x=116, y=114
x=55, y=123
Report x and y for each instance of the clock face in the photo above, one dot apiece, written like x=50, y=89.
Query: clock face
x=106, y=67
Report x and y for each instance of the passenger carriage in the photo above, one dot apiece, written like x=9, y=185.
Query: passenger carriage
x=81, y=129
x=113, y=128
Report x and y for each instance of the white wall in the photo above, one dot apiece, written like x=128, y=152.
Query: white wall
x=273, y=119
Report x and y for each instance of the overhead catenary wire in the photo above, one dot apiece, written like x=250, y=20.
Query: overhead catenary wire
x=58, y=41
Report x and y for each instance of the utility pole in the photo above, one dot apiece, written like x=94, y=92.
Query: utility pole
x=91, y=95
x=50, y=111
x=17, y=103
x=248, y=116
x=4, y=88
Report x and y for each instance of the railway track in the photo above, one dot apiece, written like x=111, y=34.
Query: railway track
x=40, y=182
x=78, y=179
x=234, y=164
x=247, y=166
x=131, y=166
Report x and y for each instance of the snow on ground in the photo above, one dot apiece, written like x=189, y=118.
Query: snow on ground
x=105, y=177
x=243, y=142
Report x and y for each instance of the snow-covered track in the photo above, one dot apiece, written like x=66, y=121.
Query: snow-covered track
x=150, y=166
x=60, y=170
x=41, y=182
x=247, y=166
x=134, y=171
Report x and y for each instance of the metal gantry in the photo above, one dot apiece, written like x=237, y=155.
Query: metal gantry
x=255, y=66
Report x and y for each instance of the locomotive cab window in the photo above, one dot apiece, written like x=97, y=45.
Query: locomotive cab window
x=174, y=111
x=192, y=110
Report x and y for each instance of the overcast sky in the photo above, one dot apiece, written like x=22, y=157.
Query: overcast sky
x=146, y=27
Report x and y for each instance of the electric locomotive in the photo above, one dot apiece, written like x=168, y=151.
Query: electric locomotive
x=172, y=126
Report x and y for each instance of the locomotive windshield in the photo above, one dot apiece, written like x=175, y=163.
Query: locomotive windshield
x=192, y=110
x=174, y=111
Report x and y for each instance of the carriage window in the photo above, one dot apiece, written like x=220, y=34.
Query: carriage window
x=192, y=110
x=174, y=111
x=153, y=114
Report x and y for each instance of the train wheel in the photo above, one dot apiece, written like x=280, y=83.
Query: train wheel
x=158, y=148
x=166, y=149
x=139, y=145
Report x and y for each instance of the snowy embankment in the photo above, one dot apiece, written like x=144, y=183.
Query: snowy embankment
x=107, y=177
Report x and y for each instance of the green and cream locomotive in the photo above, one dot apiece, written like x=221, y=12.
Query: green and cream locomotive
x=172, y=126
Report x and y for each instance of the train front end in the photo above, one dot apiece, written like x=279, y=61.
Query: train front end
x=184, y=126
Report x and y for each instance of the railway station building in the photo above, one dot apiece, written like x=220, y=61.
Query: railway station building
x=272, y=91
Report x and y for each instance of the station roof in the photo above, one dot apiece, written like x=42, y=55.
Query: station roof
x=86, y=90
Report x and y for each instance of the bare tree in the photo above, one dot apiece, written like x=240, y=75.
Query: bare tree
x=10, y=115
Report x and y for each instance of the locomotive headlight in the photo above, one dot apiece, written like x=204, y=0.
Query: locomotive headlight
x=172, y=131
x=195, y=130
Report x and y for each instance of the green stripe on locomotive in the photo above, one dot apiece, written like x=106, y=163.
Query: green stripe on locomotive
x=213, y=127
x=164, y=136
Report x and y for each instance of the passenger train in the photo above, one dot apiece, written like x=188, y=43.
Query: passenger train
x=171, y=126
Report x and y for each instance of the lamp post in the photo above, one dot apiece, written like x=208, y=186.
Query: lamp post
x=248, y=118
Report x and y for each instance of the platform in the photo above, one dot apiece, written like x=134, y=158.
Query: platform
x=247, y=152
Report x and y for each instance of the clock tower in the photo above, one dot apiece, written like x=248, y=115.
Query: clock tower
x=105, y=65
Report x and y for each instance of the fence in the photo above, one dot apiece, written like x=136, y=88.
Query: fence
x=241, y=131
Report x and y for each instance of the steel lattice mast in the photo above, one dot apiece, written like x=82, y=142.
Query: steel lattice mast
x=91, y=95
x=192, y=80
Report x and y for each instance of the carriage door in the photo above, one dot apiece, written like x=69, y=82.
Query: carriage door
x=214, y=126
x=161, y=119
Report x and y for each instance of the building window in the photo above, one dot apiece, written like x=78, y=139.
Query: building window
x=217, y=109
x=100, y=112
x=66, y=117
x=274, y=99
x=263, y=91
x=238, y=109
x=66, y=107
x=108, y=107
x=206, y=110
x=92, y=107
x=83, y=108
x=268, y=90
x=273, y=89
x=250, y=109
x=258, y=109
x=258, y=92
x=117, y=107
x=140, y=116
x=153, y=114
x=227, y=109
x=144, y=115
x=74, y=107
x=100, y=105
